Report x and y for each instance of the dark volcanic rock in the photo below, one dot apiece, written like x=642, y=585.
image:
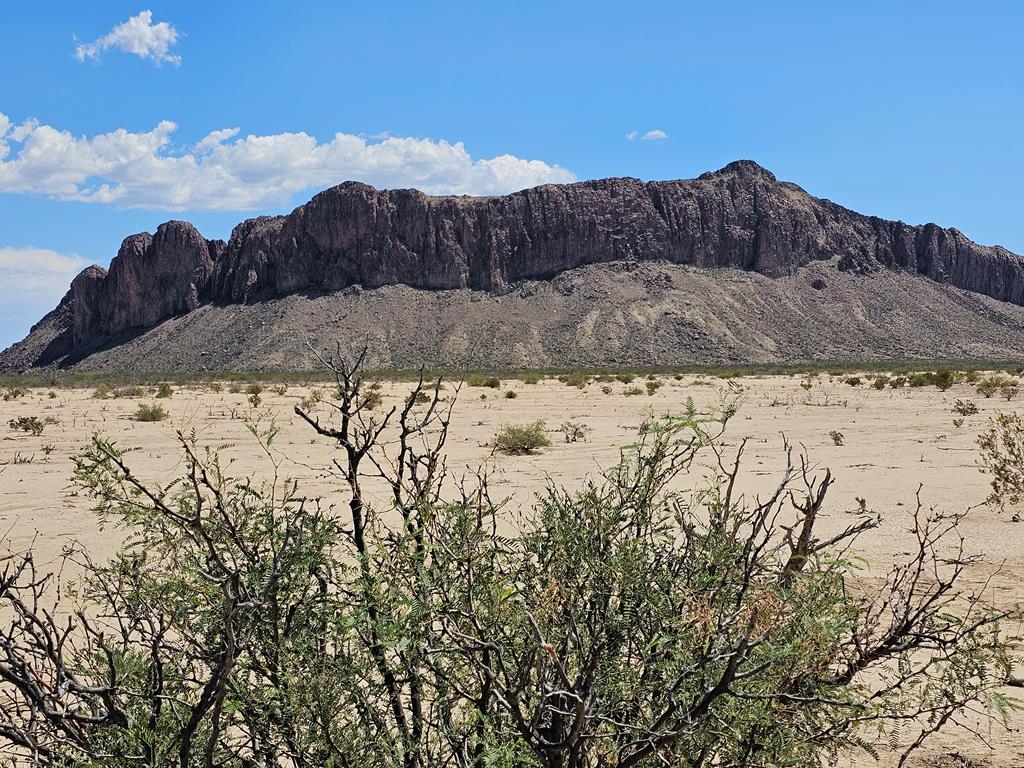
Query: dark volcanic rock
x=354, y=235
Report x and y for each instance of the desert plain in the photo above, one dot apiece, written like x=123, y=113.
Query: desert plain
x=892, y=445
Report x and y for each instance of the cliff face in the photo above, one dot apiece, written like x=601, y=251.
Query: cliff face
x=353, y=234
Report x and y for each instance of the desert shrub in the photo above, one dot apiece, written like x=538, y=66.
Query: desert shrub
x=215, y=386
x=606, y=389
x=52, y=395
x=281, y=389
x=235, y=388
x=1008, y=391
x=372, y=400
x=1002, y=457
x=970, y=376
x=880, y=382
x=632, y=391
x=480, y=380
x=32, y=424
x=944, y=378
x=102, y=392
x=853, y=381
x=997, y=382
x=623, y=622
x=965, y=407
x=576, y=379
x=920, y=380
x=423, y=397
x=958, y=423
x=148, y=413
x=574, y=431
x=530, y=377
x=653, y=386
x=521, y=438
x=253, y=388
x=510, y=394
x=13, y=393
x=898, y=382
x=837, y=437
x=164, y=390
x=129, y=392
x=625, y=378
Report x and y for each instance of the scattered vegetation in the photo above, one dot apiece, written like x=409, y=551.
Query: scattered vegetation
x=13, y=393
x=253, y=388
x=148, y=413
x=576, y=379
x=632, y=391
x=965, y=407
x=510, y=394
x=521, y=438
x=574, y=431
x=837, y=437
x=653, y=386
x=1002, y=457
x=31, y=424
x=997, y=382
x=480, y=380
x=853, y=381
x=530, y=377
x=626, y=622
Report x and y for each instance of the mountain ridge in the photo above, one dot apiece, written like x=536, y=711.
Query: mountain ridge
x=353, y=237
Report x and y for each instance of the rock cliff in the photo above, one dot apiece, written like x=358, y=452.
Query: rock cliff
x=739, y=217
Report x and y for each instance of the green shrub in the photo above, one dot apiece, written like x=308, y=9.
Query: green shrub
x=215, y=386
x=880, y=382
x=853, y=381
x=920, y=380
x=103, y=391
x=625, y=378
x=521, y=438
x=632, y=391
x=164, y=390
x=13, y=393
x=653, y=386
x=574, y=431
x=989, y=385
x=530, y=377
x=510, y=394
x=576, y=379
x=253, y=388
x=235, y=388
x=837, y=437
x=965, y=407
x=480, y=380
x=371, y=400
x=150, y=413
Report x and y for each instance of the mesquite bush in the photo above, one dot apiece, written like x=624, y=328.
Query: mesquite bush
x=622, y=623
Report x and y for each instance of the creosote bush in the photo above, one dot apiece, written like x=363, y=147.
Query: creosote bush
x=1002, y=457
x=148, y=413
x=480, y=380
x=521, y=438
x=31, y=424
x=645, y=618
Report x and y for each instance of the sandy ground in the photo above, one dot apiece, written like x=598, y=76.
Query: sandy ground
x=895, y=440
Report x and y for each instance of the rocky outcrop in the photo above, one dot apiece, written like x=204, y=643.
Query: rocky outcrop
x=153, y=277
x=354, y=235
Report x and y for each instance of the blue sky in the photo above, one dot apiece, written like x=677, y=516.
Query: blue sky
x=905, y=110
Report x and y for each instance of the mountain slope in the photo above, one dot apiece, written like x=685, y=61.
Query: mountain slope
x=483, y=281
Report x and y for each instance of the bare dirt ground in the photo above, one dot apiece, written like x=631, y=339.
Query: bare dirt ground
x=894, y=442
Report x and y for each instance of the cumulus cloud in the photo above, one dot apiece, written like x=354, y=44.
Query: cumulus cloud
x=138, y=36
x=226, y=171
x=654, y=135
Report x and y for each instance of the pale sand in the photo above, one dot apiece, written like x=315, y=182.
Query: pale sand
x=895, y=440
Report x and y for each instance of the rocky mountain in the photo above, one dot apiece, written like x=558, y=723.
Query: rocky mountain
x=353, y=238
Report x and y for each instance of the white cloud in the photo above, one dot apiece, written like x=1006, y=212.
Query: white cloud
x=138, y=36
x=224, y=171
x=654, y=135
x=37, y=273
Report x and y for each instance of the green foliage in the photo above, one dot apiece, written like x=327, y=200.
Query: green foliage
x=880, y=382
x=530, y=377
x=632, y=391
x=1002, y=457
x=253, y=388
x=853, y=381
x=510, y=394
x=997, y=382
x=920, y=380
x=150, y=413
x=625, y=378
x=164, y=390
x=574, y=431
x=837, y=437
x=102, y=391
x=576, y=379
x=638, y=620
x=521, y=438
x=372, y=400
x=652, y=386
x=480, y=380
